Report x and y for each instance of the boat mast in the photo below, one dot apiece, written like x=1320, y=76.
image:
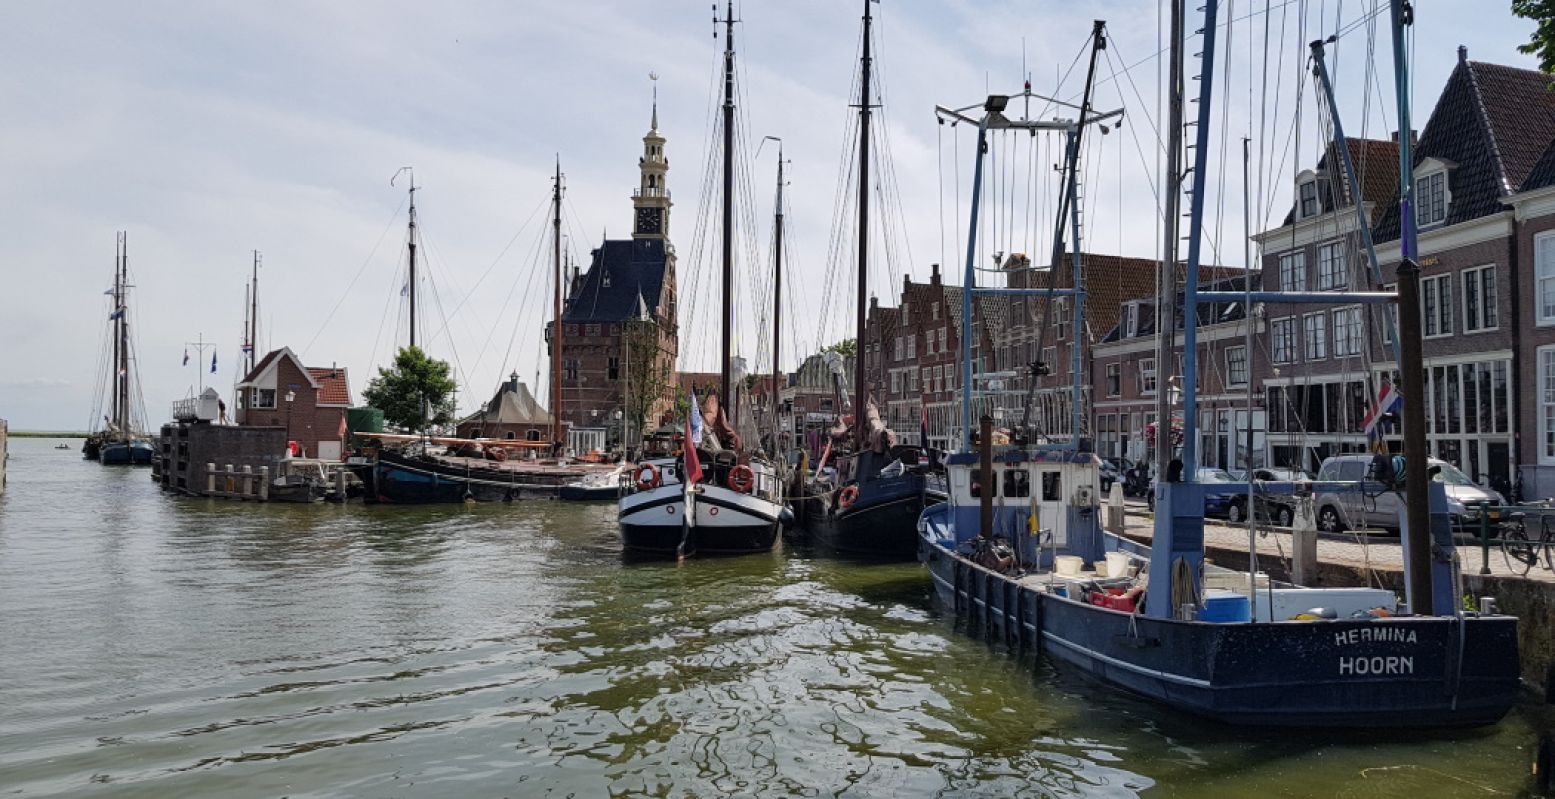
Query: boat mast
x=1166, y=276
x=253, y=315
x=118, y=318
x=726, y=391
x=860, y=375
x=412, y=245
x=556, y=333
x=777, y=303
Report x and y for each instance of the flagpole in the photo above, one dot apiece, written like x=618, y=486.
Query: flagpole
x=200, y=346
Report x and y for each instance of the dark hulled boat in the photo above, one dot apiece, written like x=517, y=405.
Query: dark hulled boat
x=118, y=443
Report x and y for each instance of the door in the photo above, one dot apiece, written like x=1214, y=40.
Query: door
x=1498, y=465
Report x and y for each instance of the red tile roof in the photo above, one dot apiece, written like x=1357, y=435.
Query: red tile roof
x=334, y=387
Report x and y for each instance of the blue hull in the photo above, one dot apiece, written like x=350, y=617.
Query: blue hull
x=1403, y=672
x=411, y=481
x=881, y=525
x=134, y=453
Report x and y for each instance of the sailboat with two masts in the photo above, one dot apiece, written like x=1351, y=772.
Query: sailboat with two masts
x=120, y=441
x=719, y=497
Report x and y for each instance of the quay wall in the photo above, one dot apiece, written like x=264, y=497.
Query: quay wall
x=186, y=448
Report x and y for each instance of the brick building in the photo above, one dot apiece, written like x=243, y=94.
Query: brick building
x=309, y=402
x=621, y=337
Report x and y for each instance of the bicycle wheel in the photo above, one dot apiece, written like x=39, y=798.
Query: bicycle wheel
x=1547, y=538
x=1521, y=554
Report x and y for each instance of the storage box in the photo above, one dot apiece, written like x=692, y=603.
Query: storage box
x=1225, y=606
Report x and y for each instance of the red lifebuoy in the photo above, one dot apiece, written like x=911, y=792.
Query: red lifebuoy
x=648, y=477
x=849, y=496
x=498, y=454
x=742, y=479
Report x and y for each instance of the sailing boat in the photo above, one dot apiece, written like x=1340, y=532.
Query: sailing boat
x=717, y=498
x=118, y=443
x=868, y=506
x=1161, y=622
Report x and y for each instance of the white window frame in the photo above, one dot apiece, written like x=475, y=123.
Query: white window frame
x=912, y=346
x=1444, y=327
x=1488, y=317
x=1231, y=378
x=1298, y=275
x=1282, y=331
x=1147, y=377
x=1302, y=186
x=1314, y=348
x=1545, y=396
x=1348, y=319
x=1544, y=278
x=1428, y=171
x=1335, y=274
x=1113, y=374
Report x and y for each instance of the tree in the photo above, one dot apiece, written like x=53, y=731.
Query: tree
x=416, y=393
x=1542, y=42
x=647, y=375
x=848, y=348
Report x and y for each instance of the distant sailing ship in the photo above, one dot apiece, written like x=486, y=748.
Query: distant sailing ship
x=118, y=442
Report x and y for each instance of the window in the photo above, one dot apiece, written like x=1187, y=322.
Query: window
x=934, y=311
x=898, y=346
x=532, y=435
x=1293, y=272
x=1131, y=320
x=1282, y=340
x=1147, y=376
x=1547, y=405
x=1017, y=483
x=1436, y=305
x=1236, y=366
x=1309, y=206
x=1431, y=199
x=1332, y=272
x=1052, y=486
x=896, y=382
x=1544, y=276
x=912, y=346
x=928, y=379
x=1389, y=315
x=939, y=377
x=1314, y=328
x=570, y=366
x=1061, y=318
x=592, y=331
x=613, y=369
x=1479, y=299
x=942, y=339
x=511, y=435
x=1347, y=332
x=912, y=381
x=605, y=279
x=263, y=398
x=1114, y=379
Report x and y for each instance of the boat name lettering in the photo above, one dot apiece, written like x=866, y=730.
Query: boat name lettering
x=1376, y=664
x=1367, y=635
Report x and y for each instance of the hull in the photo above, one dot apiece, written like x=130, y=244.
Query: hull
x=881, y=525
x=399, y=479
x=727, y=523
x=578, y=493
x=133, y=453
x=1399, y=672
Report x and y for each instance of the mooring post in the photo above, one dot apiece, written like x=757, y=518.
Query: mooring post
x=985, y=475
x=1116, y=519
x=210, y=478
x=248, y=480
x=231, y=483
x=1484, y=537
x=1303, y=540
x=264, y=484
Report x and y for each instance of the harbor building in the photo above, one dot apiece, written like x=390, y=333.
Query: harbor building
x=308, y=402
x=621, y=336
x=511, y=414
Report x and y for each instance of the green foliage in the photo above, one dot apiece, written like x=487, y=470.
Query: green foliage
x=416, y=393
x=648, y=376
x=847, y=348
x=1542, y=42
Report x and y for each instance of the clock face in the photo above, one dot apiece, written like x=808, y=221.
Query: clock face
x=648, y=220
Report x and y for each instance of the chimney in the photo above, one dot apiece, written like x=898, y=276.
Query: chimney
x=1463, y=54
x=934, y=275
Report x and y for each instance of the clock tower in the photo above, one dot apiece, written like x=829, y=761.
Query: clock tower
x=651, y=200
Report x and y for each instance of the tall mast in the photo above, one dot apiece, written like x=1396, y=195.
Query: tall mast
x=556, y=333
x=118, y=317
x=860, y=375
x=253, y=315
x=1166, y=279
x=777, y=303
x=725, y=390
x=412, y=285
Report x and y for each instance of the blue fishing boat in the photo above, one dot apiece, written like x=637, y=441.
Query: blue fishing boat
x=1008, y=551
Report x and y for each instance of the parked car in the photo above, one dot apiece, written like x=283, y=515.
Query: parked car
x=1114, y=470
x=1337, y=512
x=1279, y=509
x=1219, y=500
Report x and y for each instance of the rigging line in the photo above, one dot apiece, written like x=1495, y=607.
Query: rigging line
x=390, y=296
x=493, y=265
x=437, y=300
x=1155, y=190
x=535, y=267
x=354, y=278
x=939, y=169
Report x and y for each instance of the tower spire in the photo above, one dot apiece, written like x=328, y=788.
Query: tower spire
x=654, y=124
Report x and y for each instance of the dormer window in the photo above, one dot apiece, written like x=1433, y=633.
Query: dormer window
x=1431, y=198
x=1131, y=320
x=605, y=279
x=1307, y=190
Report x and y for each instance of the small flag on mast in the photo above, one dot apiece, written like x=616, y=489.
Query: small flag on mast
x=693, y=437
x=213, y=362
x=186, y=356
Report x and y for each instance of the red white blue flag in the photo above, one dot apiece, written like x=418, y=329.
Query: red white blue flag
x=1388, y=400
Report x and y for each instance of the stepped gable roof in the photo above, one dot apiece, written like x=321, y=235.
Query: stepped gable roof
x=1376, y=169
x=1209, y=314
x=512, y=404
x=334, y=386
x=625, y=277
x=1494, y=124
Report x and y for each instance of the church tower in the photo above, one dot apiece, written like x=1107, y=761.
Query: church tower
x=651, y=200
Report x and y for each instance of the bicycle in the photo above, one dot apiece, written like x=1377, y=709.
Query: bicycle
x=1521, y=552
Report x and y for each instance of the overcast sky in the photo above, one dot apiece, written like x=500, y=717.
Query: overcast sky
x=209, y=130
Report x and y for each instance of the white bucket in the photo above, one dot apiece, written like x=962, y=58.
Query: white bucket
x=1117, y=564
x=1068, y=565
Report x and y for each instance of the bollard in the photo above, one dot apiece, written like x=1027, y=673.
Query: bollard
x=264, y=484
x=1484, y=538
x=1116, y=520
x=1303, y=537
x=232, y=480
x=210, y=478
x=248, y=480
x=340, y=484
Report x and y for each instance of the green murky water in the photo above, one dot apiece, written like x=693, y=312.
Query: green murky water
x=158, y=646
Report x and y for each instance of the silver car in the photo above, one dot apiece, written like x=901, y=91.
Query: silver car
x=1337, y=512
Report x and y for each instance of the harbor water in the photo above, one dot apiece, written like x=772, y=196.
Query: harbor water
x=159, y=646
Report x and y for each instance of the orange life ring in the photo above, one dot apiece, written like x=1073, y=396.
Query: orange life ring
x=849, y=496
x=742, y=479
x=648, y=477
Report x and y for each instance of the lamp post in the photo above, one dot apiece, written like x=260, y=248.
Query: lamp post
x=290, y=396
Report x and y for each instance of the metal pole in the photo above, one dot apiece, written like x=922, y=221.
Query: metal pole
x=860, y=374
x=1166, y=289
x=970, y=282
x=725, y=390
x=1190, y=299
x=556, y=311
x=1077, y=317
x=1247, y=348
x=412, y=246
x=777, y=311
x=985, y=474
